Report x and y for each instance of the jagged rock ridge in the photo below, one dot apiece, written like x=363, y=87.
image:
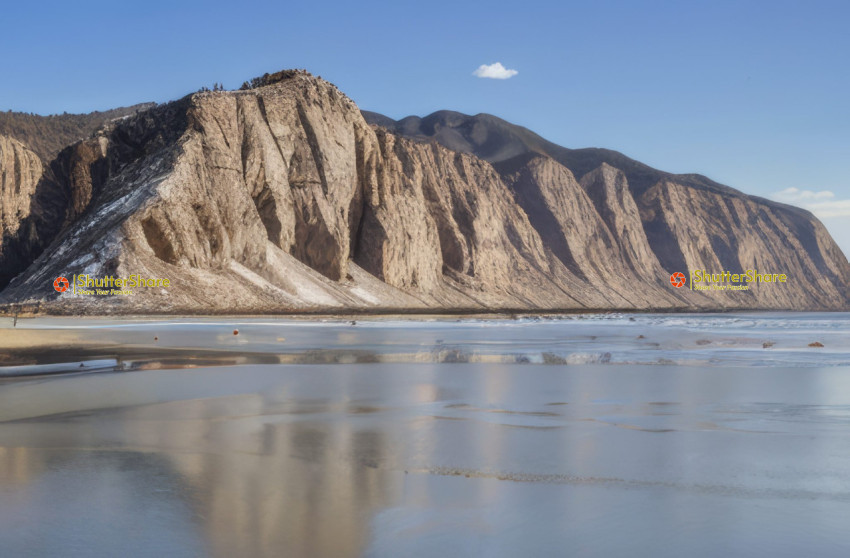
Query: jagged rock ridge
x=281, y=197
x=48, y=135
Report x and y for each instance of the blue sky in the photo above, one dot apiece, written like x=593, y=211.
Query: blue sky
x=752, y=94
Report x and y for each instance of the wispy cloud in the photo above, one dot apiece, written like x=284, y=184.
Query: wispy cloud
x=494, y=71
x=797, y=195
x=821, y=202
x=827, y=210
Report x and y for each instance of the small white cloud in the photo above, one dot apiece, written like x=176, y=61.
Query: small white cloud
x=494, y=71
x=797, y=195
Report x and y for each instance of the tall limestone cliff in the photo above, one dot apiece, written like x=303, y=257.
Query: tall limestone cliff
x=281, y=197
x=21, y=171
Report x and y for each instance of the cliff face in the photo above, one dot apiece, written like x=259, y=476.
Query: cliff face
x=282, y=198
x=659, y=222
x=20, y=173
x=694, y=229
x=593, y=228
x=608, y=189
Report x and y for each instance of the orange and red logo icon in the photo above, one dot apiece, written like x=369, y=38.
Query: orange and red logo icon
x=61, y=284
x=677, y=279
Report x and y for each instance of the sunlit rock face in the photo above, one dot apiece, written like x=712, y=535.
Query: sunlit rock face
x=21, y=171
x=281, y=197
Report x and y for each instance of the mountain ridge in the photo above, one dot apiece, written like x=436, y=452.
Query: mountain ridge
x=281, y=197
x=579, y=160
x=47, y=135
x=507, y=145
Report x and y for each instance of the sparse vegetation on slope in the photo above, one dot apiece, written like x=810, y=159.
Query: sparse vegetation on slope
x=48, y=135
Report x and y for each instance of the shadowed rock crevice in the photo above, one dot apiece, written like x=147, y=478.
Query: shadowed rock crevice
x=158, y=241
x=365, y=177
x=725, y=247
x=315, y=244
x=261, y=105
x=661, y=237
x=313, y=144
x=267, y=209
x=532, y=200
x=371, y=234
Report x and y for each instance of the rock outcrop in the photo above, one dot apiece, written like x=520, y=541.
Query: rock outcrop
x=21, y=171
x=695, y=229
x=280, y=197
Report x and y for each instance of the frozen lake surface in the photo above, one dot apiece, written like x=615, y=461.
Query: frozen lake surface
x=598, y=435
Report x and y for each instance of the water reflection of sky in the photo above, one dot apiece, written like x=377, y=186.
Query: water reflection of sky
x=427, y=459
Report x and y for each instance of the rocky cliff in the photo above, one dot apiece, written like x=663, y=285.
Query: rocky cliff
x=20, y=172
x=282, y=197
x=678, y=222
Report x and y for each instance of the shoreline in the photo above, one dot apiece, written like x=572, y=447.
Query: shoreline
x=407, y=313
x=50, y=345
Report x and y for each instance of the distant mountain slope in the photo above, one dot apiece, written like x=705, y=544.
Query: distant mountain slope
x=280, y=197
x=48, y=135
x=676, y=210
x=496, y=140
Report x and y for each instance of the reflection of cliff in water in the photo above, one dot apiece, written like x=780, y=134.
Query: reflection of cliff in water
x=267, y=486
x=57, y=502
x=235, y=474
x=18, y=466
